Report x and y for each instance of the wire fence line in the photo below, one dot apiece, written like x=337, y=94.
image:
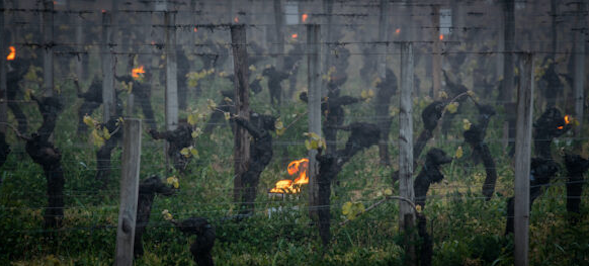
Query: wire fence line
x=216, y=203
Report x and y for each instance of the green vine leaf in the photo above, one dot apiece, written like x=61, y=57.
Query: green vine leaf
x=352, y=209
x=314, y=141
x=452, y=107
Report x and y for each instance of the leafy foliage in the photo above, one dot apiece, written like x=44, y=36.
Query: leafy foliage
x=466, y=230
x=352, y=209
x=452, y=107
x=99, y=133
x=314, y=141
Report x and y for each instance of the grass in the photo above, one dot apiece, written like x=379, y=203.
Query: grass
x=467, y=230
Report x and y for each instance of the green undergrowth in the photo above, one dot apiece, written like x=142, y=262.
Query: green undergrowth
x=466, y=229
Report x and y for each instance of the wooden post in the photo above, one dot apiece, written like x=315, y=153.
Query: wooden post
x=437, y=56
x=525, y=103
x=48, y=49
x=241, y=150
x=410, y=32
x=3, y=85
x=383, y=143
x=383, y=38
x=171, y=94
x=327, y=10
x=506, y=93
x=314, y=108
x=580, y=75
x=108, y=69
x=500, y=63
x=279, y=19
x=506, y=89
x=457, y=18
x=80, y=46
x=406, y=130
x=171, y=97
x=554, y=26
x=193, y=20
x=406, y=214
x=129, y=191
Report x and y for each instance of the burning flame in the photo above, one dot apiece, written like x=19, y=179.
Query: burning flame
x=136, y=71
x=294, y=36
x=441, y=37
x=12, y=54
x=567, y=120
x=299, y=166
x=236, y=19
x=397, y=31
x=304, y=17
x=195, y=29
x=292, y=187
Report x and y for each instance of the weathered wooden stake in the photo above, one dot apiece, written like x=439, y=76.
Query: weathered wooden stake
x=506, y=93
x=108, y=69
x=3, y=86
x=500, y=56
x=406, y=213
x=80, y=46
x=437, y=56
x=506, y=89
x=171, y=72
x=554, y=27
x=525, y=103
x=580, y=75
x=48, y=50
x=314, y=107
x=383, y=143
x=383, y=37
x=241, y=150
x=171, y=98
x=129, y=191
x=406, y=130
x=279, y=19
x=328, y=10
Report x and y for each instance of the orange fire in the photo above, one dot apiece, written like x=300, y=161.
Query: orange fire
x=136, y=71
x=195, y=29
x=294, y=36
x=441, y=37
x=397, y=31
x=12, y=54
x=304, y=17
x=567, y=120
x=236, y=19
x=288, y=186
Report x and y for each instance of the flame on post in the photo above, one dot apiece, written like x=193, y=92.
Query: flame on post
x=296, y=168
x=441, y=37
x=236, y=19
x=567, y=120
x=195, y=29
x=294, y=36
x=136, y=72
x=398, y=31
x=12, y=54
x=304, y=17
